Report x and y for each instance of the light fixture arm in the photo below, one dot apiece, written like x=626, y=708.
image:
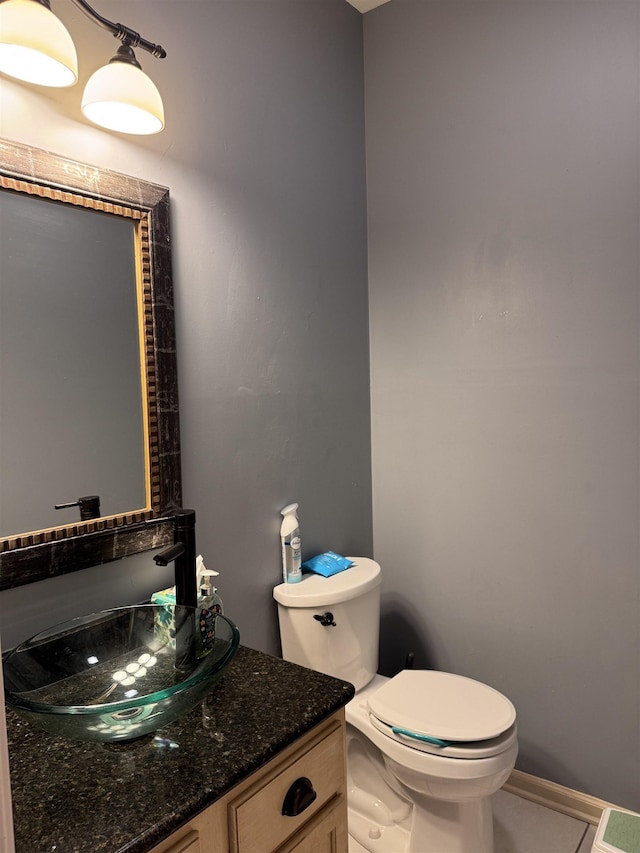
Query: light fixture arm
x=124, y=34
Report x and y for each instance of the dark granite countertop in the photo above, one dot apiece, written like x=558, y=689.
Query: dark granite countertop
x=93, y=798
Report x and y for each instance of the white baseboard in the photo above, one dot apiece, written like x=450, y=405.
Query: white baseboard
x=553, y=796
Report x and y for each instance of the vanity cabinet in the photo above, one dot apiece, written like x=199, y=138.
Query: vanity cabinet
x=296, y=803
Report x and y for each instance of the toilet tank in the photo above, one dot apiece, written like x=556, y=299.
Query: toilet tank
x=332, y=624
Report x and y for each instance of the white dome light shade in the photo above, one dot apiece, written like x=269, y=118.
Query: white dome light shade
x=120, y=96
x=35, y=46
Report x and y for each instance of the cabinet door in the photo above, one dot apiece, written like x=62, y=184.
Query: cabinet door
x=326, y=833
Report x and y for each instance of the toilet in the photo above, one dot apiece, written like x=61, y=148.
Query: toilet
x=425, y=749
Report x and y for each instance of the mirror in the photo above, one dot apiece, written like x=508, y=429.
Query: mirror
x=70, y=368
x=88, y=388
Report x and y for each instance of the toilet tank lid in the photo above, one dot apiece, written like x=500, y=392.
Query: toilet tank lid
x=317, y=591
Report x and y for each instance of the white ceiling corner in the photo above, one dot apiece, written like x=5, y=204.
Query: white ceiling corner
x=366, y=5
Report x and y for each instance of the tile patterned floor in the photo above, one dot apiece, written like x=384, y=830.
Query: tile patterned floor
x=521, y=826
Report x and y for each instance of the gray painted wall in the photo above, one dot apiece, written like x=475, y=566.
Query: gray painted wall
x=264, y=157
x=504, y=215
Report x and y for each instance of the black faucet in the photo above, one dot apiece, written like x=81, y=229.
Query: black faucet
x=183, y=554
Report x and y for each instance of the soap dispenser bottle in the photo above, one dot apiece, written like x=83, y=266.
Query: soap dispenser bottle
x=209, y=606
x=209, y=598
x=291, y=545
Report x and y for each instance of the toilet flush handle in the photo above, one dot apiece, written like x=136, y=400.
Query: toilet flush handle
x=326, y=619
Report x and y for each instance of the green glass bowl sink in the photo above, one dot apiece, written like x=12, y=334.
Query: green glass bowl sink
x=120, y=674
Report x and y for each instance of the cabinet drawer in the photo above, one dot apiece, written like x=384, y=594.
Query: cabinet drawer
x=256, y=822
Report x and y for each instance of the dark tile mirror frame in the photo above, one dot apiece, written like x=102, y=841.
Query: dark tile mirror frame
x=43, y=554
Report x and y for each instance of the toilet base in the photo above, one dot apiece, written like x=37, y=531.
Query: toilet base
x=434, y=826
x=367, y=836
x=445, y=827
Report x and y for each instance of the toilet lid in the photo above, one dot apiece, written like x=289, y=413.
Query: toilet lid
x=450, y=748
x=442, y=705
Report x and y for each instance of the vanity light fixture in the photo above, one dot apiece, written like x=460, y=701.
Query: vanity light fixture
x=36, y=47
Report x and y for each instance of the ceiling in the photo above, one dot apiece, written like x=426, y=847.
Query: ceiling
x=365, y=5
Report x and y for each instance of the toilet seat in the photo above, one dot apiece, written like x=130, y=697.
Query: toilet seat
x=443, y=714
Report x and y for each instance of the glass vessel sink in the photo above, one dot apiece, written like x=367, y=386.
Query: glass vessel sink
x=119, y=674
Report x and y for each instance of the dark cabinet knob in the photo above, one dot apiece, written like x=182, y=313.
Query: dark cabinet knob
x=298, y=798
